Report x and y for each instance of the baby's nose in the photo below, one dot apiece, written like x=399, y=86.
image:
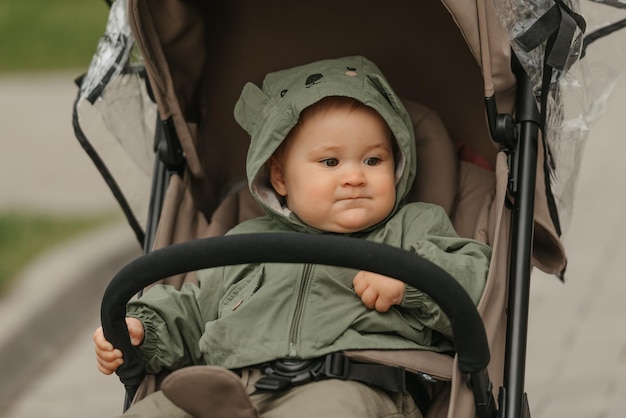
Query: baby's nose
x=354, y=176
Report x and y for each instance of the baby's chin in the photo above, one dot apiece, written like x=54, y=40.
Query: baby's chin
x=350, y=226
x=346, y=221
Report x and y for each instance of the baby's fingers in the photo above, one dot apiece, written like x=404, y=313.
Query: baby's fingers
x=359, y=284
x=108, y=367
x=383, y=304
x=108, y=360
x=369, y=297
x=135, y=330
x=108, y=355
x=101, y=342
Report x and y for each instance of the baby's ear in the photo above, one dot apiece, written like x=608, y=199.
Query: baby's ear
x=250, y=106
x=277, y=177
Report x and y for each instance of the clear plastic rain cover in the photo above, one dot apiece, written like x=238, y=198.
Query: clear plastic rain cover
x=578, y=94
x=115, y=118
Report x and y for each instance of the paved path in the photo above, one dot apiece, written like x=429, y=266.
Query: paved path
x=42, y=164
x=43, y=168
x=61, y=380
x=577, y=343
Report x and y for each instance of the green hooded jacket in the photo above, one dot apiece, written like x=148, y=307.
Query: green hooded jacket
x=250, y=314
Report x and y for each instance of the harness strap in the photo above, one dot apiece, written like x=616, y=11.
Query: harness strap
x=282, y=374
x=389, y=378
x=286, y=373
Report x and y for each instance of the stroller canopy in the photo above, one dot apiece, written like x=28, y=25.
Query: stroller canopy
x=448, y=55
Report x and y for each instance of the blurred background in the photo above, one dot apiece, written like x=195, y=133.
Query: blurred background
x=58, y=218
x=47, y=182
x=62, y=237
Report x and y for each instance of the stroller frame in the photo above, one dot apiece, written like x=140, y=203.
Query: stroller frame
x=518, y=135
x=513, y=402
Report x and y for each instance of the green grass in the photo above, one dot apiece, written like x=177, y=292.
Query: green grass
x=24, y=236
x=40, y=35
x=44, y=35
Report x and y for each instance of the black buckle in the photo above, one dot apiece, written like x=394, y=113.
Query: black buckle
x=336, y=366
x=285, y=373
x=272, y=384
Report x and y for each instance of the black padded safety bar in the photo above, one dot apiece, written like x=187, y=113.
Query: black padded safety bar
x=470, y=339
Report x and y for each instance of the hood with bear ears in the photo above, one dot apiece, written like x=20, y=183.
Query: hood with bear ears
x=269, y=114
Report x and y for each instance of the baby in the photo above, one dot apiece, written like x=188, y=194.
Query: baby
x=332, y=152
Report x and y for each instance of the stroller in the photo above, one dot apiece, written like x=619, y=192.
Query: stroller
x=487, y=119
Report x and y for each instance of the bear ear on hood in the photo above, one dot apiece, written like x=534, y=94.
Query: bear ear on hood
x=384, y=88
x=250, y=106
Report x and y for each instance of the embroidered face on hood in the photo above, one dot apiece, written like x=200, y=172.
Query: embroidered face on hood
x=269, y=114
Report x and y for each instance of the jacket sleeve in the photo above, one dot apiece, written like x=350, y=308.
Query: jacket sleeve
x=174, y=321
x=464, y=259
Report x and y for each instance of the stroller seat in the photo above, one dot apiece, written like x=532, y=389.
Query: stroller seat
x=471, y=195
x=199, y=55
x=465, y=191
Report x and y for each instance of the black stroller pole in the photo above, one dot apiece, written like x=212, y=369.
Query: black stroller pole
x=164, y=165
x=160, y=180
x=527, y=119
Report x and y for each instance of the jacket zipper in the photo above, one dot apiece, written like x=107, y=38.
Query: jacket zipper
x=297, y=316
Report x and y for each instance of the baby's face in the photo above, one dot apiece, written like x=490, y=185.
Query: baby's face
x=337, y=172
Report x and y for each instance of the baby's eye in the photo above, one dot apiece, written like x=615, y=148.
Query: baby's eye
x=372, y=161
x=330, y=162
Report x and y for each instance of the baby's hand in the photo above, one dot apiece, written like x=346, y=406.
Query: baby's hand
x=377, y=291
x=110, y=358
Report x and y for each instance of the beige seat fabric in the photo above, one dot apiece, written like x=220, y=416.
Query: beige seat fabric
x=467, y=193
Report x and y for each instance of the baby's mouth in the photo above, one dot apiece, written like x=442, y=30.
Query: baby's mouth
x=353, y=200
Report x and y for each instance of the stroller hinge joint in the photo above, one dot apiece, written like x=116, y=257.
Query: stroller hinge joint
x=501, y=125
x=167, y=146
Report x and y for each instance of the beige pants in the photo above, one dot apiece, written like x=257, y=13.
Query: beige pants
x=326, y=398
